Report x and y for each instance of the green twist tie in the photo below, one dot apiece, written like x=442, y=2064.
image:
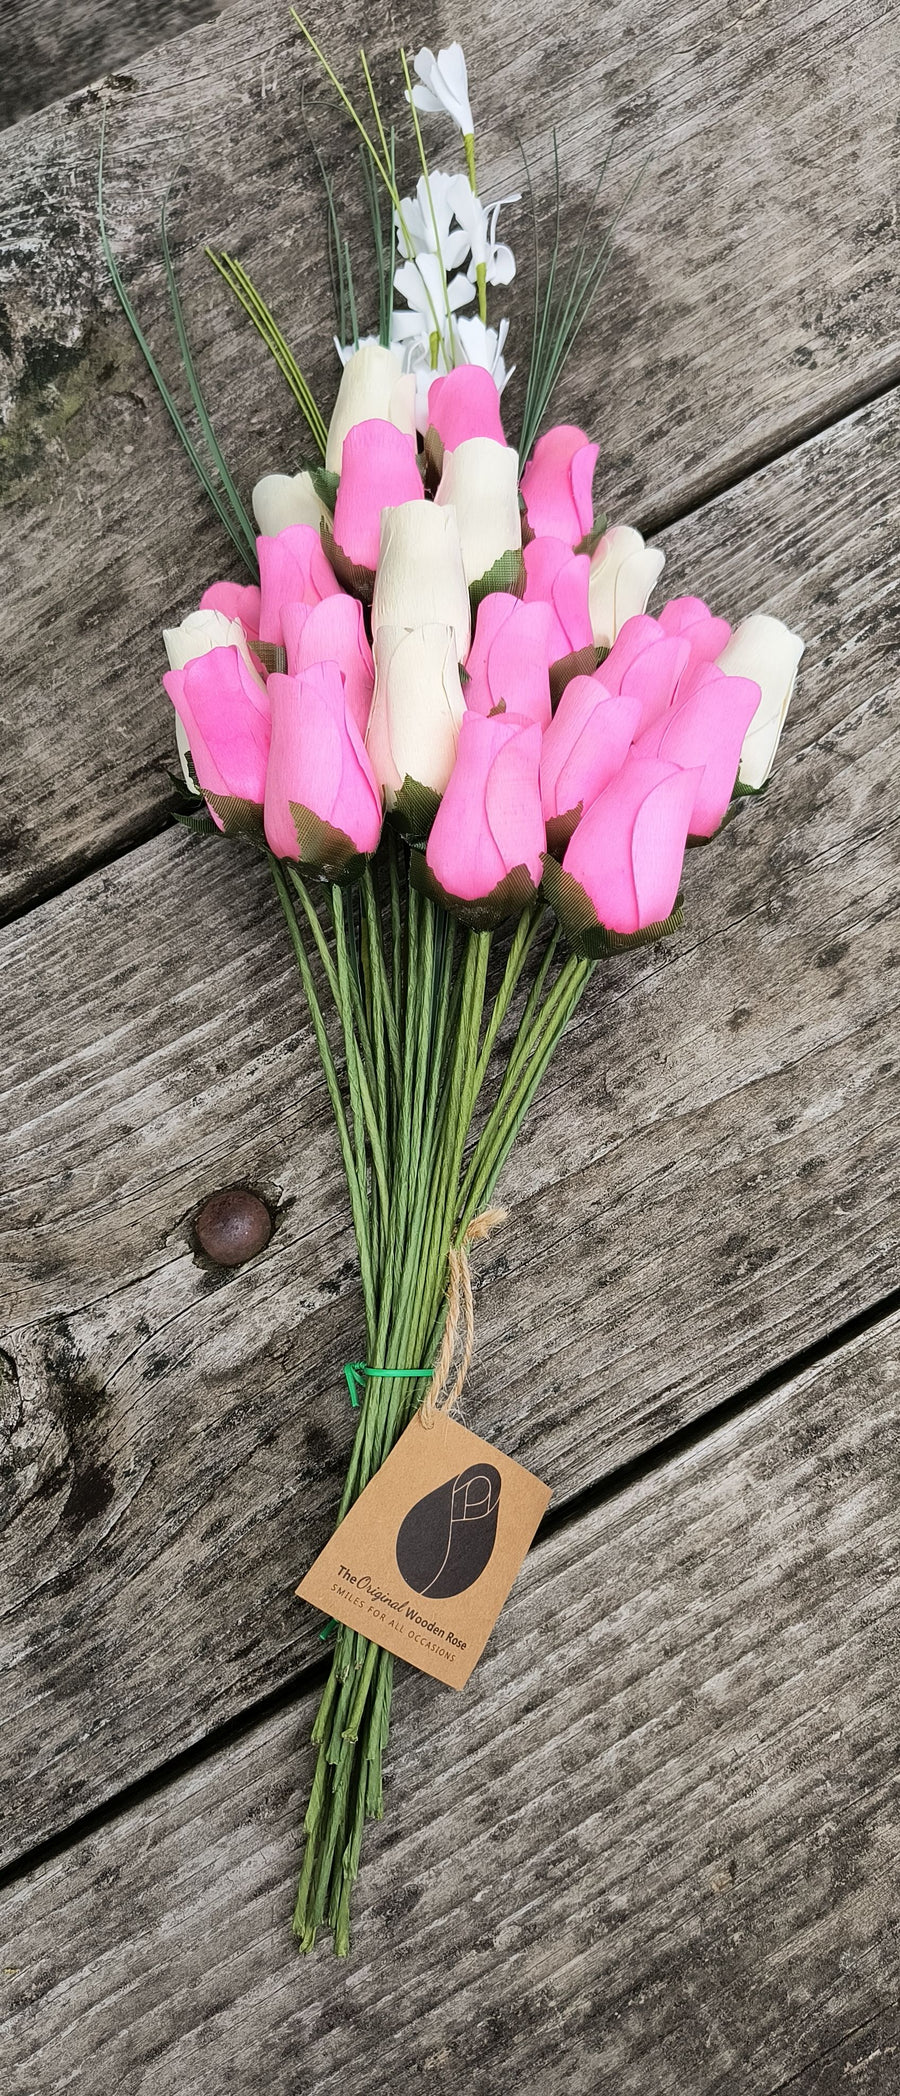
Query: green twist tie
x=355, y=1373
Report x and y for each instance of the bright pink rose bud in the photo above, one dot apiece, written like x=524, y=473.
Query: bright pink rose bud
x=584, y=747
x=628, y=850
x=465, y=404
x=319, y=780
x=646, y=663
x=224, y=709
x=489, y=823
x=293, y=569
x=507, y=664
x=693, y=620
x=333, y=631
x=704, y=728
x=558, y=577
x=238, y=601
x=378, y=471
x=557, y=484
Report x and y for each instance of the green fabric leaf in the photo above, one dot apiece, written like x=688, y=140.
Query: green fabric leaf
x=592, y=538
x=323, y=849
x=507, y=573
x=239, y=818
x=356, y=580
x=325, y=485
x=582, y=663
x=414, y=811
x=199, y=825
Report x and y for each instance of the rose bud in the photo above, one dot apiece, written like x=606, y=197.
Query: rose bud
x=420, y=579
x=293, y=569
x=488, y=834
x=373, y=388
x=646, y=663
x=379, y=471
x=282, y=499
x=480, y=482
x=507, y=663
x=693, y=620
x=236, y=600
x=322, y=806
x=703, y=731
x=417, y=708
x=200, y=633
x=557, y=485
x=584, y=747
x=627, y=852
x=223, y=707
x=767, y=651
x=624, y=573
x=465, y=404
x=558, y=577
x=333, y=631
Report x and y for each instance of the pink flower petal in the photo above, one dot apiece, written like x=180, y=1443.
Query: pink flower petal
x=293, y=569
x=237, y=601
x=465, y=404
x=378, y=471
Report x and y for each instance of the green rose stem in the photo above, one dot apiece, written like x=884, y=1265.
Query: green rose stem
x=408, y=986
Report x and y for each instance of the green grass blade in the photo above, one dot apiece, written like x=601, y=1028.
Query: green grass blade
x=244, y=290
x=167, y=398
x=212, y=443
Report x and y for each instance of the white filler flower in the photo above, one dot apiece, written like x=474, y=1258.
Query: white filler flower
x=443, y=86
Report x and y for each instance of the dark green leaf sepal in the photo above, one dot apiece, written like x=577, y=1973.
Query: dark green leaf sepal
x=507, y=574
x=238, y=818
x=325, y=485
x=325, y=853
x=414, y=811
x=514, y=894
x=581, y=663
x=355, y=579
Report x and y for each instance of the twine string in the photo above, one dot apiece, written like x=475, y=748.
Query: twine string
x=458, y=1342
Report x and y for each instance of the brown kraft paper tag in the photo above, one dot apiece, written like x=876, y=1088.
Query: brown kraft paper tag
x=426, y=1557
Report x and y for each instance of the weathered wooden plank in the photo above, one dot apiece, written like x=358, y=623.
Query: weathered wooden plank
x=754, y=291
x=707, y=1185
x=653, y=1846
x=46, y=54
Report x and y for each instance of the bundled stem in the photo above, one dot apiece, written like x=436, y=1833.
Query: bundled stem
x=407, y=990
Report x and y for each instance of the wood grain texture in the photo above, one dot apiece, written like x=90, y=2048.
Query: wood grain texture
x=46, y=53
x=652, y=1847
x=707, y=1185
x=753, y=292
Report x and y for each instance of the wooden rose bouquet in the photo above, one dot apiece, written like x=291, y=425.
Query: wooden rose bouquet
x=471, y=760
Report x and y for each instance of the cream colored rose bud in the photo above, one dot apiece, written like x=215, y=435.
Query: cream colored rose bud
x=373, y=388
x=624, y=572
x=420, y=579
x=480, y=480
x=281, y=499
x=417, y=708
x=199, y=633
x=765, y=650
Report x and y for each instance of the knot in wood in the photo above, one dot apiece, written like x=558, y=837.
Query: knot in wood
x=232, y=1226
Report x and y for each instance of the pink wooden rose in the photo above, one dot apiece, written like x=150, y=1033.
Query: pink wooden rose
x=628, y=850
x=507, y=664
x=704, y=728
x=378, y=471
x=557, y=484
x=224, y=709
x=333, y=631
x=293, y=569
x=318, y=762
x=489, y=822
x=558, y=577
x=465, y=404
x=584, y=747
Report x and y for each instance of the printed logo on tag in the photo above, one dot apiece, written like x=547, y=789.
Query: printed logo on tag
x=424, y=1561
